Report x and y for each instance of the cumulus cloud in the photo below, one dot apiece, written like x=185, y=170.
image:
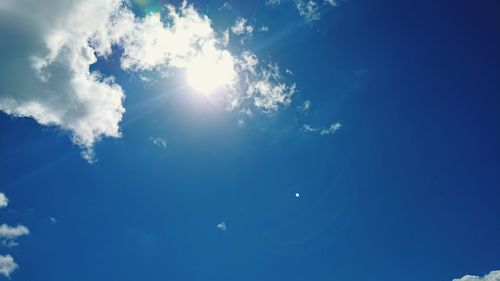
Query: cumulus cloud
x=48, y=47
x=4, y=201
x=492, y=276
x=148, y=43
x=9, y=234
x=7, y=265
x=46, y=54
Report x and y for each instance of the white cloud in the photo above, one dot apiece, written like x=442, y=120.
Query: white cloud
x=9, y=234
x=226, y=6
x=241, y=123
x=322, y=131
x=161, y=142
x=264, y=28
x=4, y=201
x=222, y=226
x=492, y=276
x=332, y=129
x=45, y=74
x=240, y=27
x=331, y=2
x=306, y=106
x=189, y=42
x=7, y=265
x=266, y=87
x=309, y=9
x=48, y=47
x=308, y=129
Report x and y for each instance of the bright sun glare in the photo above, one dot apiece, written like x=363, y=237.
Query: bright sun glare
x=207, y=73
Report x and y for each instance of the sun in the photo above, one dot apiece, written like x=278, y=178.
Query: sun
x=209, y=72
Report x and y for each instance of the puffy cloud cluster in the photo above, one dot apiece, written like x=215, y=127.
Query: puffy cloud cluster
x=492, y=276
x=240, y=27
x=8, y=236
x=48, y=48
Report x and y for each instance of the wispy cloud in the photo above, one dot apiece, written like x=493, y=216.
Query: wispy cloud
x=332, y=129
x=305, y=106
x=306, y=128
x=7, y=265
x=161, y=142
x=492, y=276
x=309, y=9
x=226, y=6
x=222, y=226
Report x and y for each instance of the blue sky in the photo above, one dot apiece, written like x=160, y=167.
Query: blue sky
x=381, y=115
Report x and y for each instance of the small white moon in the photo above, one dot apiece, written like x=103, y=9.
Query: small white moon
x=297, y=195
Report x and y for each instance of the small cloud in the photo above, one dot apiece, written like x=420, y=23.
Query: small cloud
x=9, y=234
x=332, y=129
x=305, y=106
x=7, y=265
x=264, y=28
x=247, y=111
x=331, y=2
x=226, y=6
x=222, y=226
x=306, y=128
x=308, y=9
x=492, y=276
x=240, y=27
x=241, y=123
x=4, y=201
x=52, y=220
x=161, y=142
x=225, y=37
